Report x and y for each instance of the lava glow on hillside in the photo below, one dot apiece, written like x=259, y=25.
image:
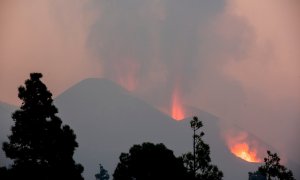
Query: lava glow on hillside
x=243, y=151
x=243, y=146
x=177, y=109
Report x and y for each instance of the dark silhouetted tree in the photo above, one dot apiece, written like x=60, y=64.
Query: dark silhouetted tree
x=3, y=173
x=103, y=174
x=148, y=162
x=198, y=163
x=40, y=147
x=272, y=169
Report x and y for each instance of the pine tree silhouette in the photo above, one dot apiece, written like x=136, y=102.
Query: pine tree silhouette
x=198, y=163
x=40, y=147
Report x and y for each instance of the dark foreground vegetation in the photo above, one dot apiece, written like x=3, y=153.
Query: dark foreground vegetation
x=42, y=148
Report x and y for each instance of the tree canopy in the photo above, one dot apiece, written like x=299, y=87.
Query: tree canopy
x=3, y=173
x=272, y=169
x=149, y=161
x=198, y=162
x=40, y=146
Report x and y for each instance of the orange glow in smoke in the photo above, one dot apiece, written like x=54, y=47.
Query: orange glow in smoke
x=177, y=111
x=244, y=152
x=126, y=73
x=128, y=82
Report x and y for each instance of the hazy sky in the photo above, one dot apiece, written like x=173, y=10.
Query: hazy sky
x=237, y=59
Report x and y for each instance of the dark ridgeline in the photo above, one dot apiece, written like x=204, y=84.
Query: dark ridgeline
x=40, y=146
x=198, y=163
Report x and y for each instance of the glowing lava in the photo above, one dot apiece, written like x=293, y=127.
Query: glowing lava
x=177, y=111
x=244, y=146
x=243, y=151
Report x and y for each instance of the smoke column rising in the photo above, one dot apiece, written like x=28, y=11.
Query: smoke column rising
x=219, y=55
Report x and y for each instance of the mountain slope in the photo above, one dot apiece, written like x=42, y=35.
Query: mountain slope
x=108, y=120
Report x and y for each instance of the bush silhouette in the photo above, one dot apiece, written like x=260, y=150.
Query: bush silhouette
x=103, y=174
x=148, y=162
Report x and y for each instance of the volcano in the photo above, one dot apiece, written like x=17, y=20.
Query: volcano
x=107, y=120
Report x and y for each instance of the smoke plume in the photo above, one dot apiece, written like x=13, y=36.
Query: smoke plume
x=238, y=60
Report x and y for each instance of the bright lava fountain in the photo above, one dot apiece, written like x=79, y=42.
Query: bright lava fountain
x=177, y=111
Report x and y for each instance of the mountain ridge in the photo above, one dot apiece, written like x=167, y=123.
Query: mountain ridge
x=118, y=119
x=108, y=120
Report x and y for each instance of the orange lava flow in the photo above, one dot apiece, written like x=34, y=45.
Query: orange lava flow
x=177, y=111
x=243, y=151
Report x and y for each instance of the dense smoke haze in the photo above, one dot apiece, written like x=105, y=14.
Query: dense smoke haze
x=236, y=59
